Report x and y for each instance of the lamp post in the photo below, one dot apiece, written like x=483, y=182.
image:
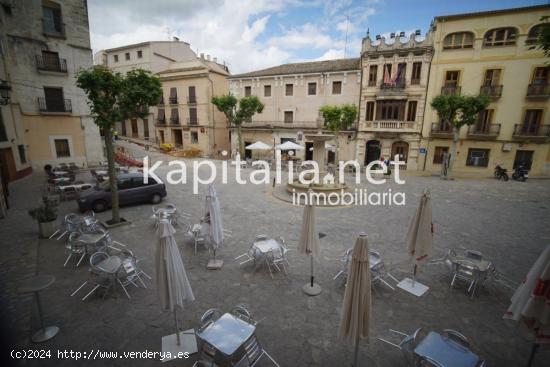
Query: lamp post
x=5, y=91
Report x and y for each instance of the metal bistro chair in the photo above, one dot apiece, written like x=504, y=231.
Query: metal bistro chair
x=97, y=277
x=89, y=223
x=407, y=345
x=71, y=222
x=76, y=248
x=252, y=254
x=130, y=272
x=280, y=258
x=378, y=270
x=344, y=260
x=468, y=272
x=207, y=353
x=456, y=337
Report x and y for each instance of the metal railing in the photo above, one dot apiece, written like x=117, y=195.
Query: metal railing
x=439, y=128
x=54, y=106
x=397, y=86
x=173, y=100
x=488, y=130
x=450, y=89
x=390, y=125
x=493, y=91
x=51, y=63
x=191, y=121
x=174, y=120
x=538, y=90
x=192, y=99
x=540, y=131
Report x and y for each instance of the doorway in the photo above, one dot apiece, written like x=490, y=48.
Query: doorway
x=331, y=157
x=309, y=151
x=161, y=136
x=7, y=165
x=134, y=128
x=178, y=138
x=247, y=152
x=400, y=148
x=372, y=151
x=146, y=129
x=525, y=157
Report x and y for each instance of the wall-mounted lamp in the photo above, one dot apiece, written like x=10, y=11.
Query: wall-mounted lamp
x=5, y=91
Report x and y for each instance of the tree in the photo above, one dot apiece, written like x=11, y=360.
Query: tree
x=113, y=97
x=338, y=118
x=248, y=107
x=457, y=111
x=543, y=37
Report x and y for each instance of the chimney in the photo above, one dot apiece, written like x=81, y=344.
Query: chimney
x=392, y=35
x=401, y=34
x=202, y=56
x=208, y=57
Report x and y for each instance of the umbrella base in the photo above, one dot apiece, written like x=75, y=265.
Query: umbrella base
x=188, y=344
x=45, y=334
x=312, y=291
x=214, y=264
x=413, y=287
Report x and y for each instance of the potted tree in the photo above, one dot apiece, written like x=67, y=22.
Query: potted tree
x=46, y=216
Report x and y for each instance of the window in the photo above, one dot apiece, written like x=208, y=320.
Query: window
x=127, y=56
x=439, y=153
x=311, y=89
x=192, y=94
x=336, y=87
x=194, y=137
x=62, y=148
x=500, y=37
x=51, y=61
x=484, y=119
x=193, y=120
x=411, y=111
x=373, y=72
x=22, y=155
x=458, y=40
x=161, y=117
x=3, y=134
x=289, y=117
x=477, y=157
x=173, y=95
x=390, y=110
x=369, y=111
x=247, y=91
x=289, y=89
x=53, y=98
x=267, y=90
x=174, y=116
x=125, y=183
x=451, y=78
x=524, y=157
x=401, y=71
x=7, y=9
x=540, y=75
x=139, y=54
x=416, y=72
x=534, y=34
x=51, y=19
x=115, y=57
x=492, y=77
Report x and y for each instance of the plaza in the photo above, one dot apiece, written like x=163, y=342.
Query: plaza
x=506, y=221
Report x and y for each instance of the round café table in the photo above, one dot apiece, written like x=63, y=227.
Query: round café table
x=35, y=285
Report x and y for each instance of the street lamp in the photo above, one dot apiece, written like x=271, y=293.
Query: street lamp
x=5, y=91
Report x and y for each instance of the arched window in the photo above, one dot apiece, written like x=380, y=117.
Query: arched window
x=458, y=40
x=500, y=37
x=533, y=34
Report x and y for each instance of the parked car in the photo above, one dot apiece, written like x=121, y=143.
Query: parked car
x=131, y=190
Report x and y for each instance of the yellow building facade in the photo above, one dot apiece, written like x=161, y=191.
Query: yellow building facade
x=490, y=53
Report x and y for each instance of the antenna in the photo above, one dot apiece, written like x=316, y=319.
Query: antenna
x=346, y=41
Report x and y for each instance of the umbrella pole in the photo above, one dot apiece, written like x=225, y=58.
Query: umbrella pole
x=356, y=353
x=312, y=276
x=414, y=274
x=177, y=327
x=532, y=355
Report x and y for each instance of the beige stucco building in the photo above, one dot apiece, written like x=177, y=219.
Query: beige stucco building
x=292, y=95
x=153, y=56
x=489, y=52
x=393, y=94
x=44, y=43
x=186, y=117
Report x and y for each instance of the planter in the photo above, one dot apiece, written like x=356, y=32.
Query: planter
x=46, y=229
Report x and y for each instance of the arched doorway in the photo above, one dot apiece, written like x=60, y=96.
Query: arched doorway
x=400, y=148
x=372, y=151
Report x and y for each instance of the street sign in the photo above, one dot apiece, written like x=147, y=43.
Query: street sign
x=422, y=150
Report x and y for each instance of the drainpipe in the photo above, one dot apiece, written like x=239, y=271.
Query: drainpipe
x=212, y=115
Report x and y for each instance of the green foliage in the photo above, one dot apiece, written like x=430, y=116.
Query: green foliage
x=459, y=110
x=339, y=117
x=543, y=38
x=113, y=97
x=47, y=212
x=247, y=107
x=227, y=104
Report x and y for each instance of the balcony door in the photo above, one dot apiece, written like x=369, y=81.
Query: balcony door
x=400, y=148
x=134, y=126
x=451, y=78
x=532, y=121
x=492, y=78
x=372, y=151
x=484, y=120
x=540, y=76
x=54, y=99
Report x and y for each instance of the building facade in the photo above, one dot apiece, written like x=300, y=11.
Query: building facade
x=292, y=95
x=489, y=53
x=186, y=118
x=153, y=56
x=44, y=44
x=393, y=96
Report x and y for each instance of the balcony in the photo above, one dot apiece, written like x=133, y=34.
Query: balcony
x=440, y=130
x=173, y=100
x=392, y=89
x=531, y=132
x=269, y=125
x=192, y=121
x=54, y=106
x=489, y=132
x=161, y=121
x=53, y=27
x=448, y=90
x=192, y=99
x=390, y=126
x=492, y=91
x=539, y=91
x=174, y=120
x=415, y=81
x=372, y=83
x=51, y=63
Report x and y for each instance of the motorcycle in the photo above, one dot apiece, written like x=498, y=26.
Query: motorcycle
x=520, y=173
x=500, y=173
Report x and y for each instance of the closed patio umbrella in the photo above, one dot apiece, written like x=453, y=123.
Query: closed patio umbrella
x=216, y=226
x=172, y=283
x=309, y=245
x=356, y=307
x=419, y=240
x=530, y=303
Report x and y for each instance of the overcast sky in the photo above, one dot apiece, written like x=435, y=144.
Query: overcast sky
x=254, y=34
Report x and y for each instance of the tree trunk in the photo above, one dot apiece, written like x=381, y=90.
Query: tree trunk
x=454, y=146
x=240, y=138
x=337, y=157
x=112, y=175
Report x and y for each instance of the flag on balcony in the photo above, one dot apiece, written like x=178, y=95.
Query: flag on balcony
x=387, y=74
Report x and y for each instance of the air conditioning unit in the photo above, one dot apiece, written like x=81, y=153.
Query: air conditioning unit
x=506, y=147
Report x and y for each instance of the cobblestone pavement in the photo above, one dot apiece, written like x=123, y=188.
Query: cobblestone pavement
x=508, y=222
